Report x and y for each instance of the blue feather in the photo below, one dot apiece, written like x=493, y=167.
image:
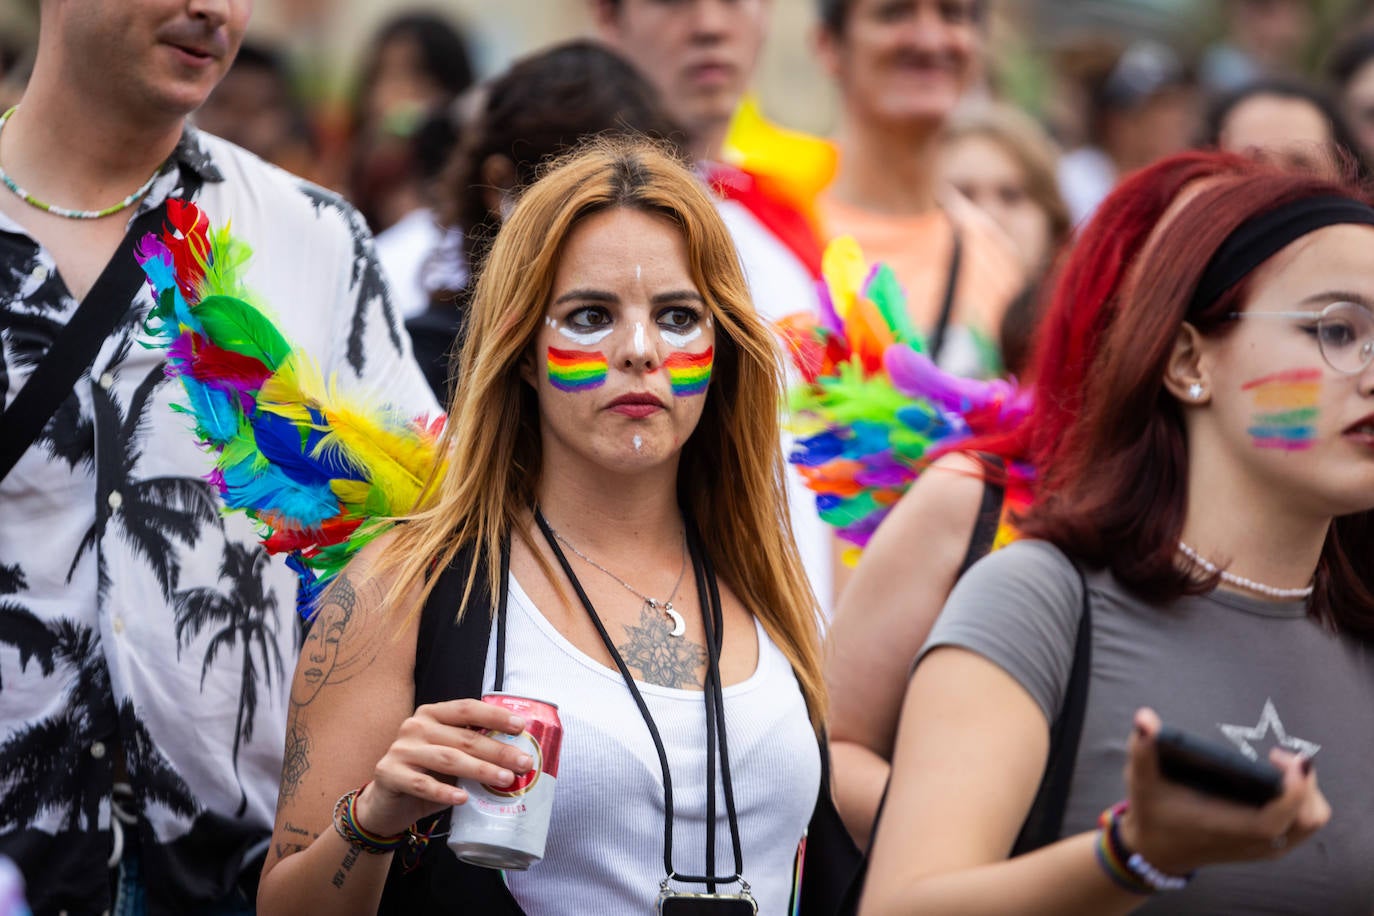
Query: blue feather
x=284, y=446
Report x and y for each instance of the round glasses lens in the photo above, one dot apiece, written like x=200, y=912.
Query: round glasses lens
x=1345, y=331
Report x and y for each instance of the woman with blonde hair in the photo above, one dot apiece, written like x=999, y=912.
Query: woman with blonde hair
x=608, y=500
x=1001, y=159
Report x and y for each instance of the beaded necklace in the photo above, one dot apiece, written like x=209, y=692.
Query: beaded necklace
x=1240, y=581
x=65, y=212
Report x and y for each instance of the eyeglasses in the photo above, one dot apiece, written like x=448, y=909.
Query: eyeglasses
x=1344, y=332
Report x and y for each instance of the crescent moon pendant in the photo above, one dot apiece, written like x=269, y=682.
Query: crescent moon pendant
x=679, y=625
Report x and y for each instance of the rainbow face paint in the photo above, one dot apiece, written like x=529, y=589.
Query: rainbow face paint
x=576, y=370
x=690, y=373
x=1285, y=409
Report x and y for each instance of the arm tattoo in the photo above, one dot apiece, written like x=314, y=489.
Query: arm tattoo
x=300, y=839
x=346, y=866
x=667, y=661
x=296, y=760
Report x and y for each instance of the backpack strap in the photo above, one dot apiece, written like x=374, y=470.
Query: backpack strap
x=1044, y=824
x=450, y=662
x=76, y=345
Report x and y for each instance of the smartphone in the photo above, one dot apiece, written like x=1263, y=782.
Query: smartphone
x=683, y=904
x=1215, y=769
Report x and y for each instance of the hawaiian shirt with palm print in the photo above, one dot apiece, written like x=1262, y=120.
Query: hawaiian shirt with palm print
x=134, y=618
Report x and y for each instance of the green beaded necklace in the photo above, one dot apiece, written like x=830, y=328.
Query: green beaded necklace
x=55, y=210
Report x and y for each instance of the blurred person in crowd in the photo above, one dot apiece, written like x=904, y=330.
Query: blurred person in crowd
x=1146, y=108
x=964, y=505
x=902, y=67
x=1263, y=38
x=141, y=736
x=701, y=55
x=16, y=60
x=1288, y=123
x=1234, y=371
x=538, y=109
x=416, y=64
x=999, y=158
x=256, y=106
x=1351, y=70
x=412, y=250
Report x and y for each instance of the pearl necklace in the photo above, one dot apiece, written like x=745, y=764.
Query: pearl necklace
x=65, y=212
x=1240, y=581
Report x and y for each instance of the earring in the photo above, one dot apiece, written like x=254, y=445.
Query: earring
x=1195, y=390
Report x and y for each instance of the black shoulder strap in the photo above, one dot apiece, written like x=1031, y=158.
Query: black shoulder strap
x=956, y=258
x=450, y=661
x=989, y=515
x=1045, y=822
x=76, y=345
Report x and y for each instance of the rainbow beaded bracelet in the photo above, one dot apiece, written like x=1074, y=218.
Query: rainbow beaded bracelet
x=1129, y=870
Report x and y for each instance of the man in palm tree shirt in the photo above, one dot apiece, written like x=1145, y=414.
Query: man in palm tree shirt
x=144, y=638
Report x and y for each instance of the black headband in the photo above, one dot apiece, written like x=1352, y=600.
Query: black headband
x=1256, y=241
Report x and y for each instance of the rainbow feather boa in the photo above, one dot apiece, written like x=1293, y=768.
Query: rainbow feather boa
x=320, y=475
x=872, y=410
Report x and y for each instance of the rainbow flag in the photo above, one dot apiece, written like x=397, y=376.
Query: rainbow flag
x=576, y=370
x=689, y=373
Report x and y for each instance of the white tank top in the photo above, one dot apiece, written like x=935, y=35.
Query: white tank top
x=605, y=847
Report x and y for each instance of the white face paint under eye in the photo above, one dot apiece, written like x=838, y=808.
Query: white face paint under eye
x=641, y=345
x=681, y=339
x=585, y=338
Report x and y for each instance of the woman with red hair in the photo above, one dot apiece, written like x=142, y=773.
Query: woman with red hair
x=954, y=510
x=1192, y=558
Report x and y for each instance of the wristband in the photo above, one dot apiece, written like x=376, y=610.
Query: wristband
x=346, y=823
x=1130, y=870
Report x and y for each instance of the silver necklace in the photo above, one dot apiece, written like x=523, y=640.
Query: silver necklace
x=1271, y=591
x=652, y=604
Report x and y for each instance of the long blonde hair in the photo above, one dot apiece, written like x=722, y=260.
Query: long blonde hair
x=730, y=478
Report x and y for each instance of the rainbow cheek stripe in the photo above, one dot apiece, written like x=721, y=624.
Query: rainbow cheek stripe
x=576, y=370
x=690, y=373
x=1286, y=409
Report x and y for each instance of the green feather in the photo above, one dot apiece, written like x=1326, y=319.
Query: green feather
x=235, y=325
x=886, y=293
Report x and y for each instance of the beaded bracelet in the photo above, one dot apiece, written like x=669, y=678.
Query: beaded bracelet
x=1129, y=870
x=359, y=837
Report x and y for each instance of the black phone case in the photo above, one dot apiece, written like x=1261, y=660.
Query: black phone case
x=706, y=905
x=1215, y=769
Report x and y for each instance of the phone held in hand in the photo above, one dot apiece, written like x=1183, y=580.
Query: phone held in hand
x=1215, y=769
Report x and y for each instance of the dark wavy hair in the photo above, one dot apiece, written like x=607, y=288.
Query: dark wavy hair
x=1345, y=147
x=542, y=107
x=1113, y=485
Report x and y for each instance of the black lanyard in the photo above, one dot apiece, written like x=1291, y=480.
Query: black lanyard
x=708, y=593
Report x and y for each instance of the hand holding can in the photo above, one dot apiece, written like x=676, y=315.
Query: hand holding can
x=505, y=825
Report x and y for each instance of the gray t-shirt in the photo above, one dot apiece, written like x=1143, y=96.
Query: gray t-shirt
x=1250, y=673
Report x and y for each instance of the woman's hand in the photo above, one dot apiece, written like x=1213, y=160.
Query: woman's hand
x=439, y=743
x=1177, y=829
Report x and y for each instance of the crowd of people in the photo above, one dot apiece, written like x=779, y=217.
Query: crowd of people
x=585, y=262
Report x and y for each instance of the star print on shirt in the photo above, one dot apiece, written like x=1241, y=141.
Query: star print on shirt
x=1242, y=735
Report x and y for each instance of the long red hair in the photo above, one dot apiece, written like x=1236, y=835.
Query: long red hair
x=1112, y=458
x=1083, y=297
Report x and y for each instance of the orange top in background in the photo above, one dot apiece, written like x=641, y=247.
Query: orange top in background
x=918, y=250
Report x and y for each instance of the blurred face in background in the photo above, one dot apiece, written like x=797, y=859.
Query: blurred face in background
x=1158, y=127
x=699, y=54
x=1274, y=32
x=1359, y=107
x=904, y=61
x=987, y=173
x=402, y=87
x=1288, y=132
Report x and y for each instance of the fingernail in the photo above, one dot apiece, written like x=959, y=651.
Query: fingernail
x=458, y=796
x=517, y=722
x=1306, y=766
x=505, y=778
x=525, y=761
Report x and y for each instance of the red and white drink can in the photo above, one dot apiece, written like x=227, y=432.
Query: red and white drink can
x=506, y=826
